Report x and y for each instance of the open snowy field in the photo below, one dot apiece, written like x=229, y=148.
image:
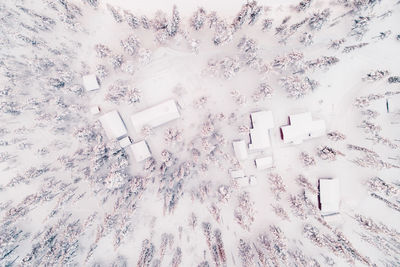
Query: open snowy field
x=194, y=74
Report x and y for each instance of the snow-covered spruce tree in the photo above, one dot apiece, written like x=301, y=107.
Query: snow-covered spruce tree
x=132, y=20
x=174, y=23
x=335, y=136
x=198, y=19
x=263, y=91
x=307, y=159
x=266, y=24
x=146, y=254
x=303, y=5
x=131, y=45
x=277, y=185
x=115, y=13
x=120, y=92
x=246, y=254
x=328, y=153
x=318, y=19
x=297, y=86
x=244, y=213
x=248, y=52
x=102, y=50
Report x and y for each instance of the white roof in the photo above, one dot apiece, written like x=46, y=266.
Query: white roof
x=393, y=104
x=261, y=121
x=259, y=139
x=264, y=163
x=240, y=149
x=140, y=151
x=90, y=82
x=124, y=142
x=155, y=116
x=113, y=125
x=329, y=195
x=302, y=127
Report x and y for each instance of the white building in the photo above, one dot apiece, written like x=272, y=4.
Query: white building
x=301, y=128
x=155, y=116
x=393, y=104
x=262, y=122
x=90, y=82
x=329, y=196
x=113, y=125
x=240, y=149
x=140, y=151
x=264, y=163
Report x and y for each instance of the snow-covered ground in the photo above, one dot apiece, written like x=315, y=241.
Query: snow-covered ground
x=69, y=196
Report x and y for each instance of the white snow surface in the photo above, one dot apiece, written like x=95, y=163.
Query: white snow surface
x=71, y=196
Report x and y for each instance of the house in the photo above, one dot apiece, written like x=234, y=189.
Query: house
x=113, y=125
x=240, y=149
x=329, y=196
x=262, y=122
x=393, y=104
x=301, y=128
x=90, y=82
x=155, y=116
x=124, y=142
x=140, y=151
x=264, y=163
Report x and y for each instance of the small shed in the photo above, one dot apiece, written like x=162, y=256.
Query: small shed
x=155, y=116
x=329, y=196
x=113, y=125
x=90, y=82
x=140, y=151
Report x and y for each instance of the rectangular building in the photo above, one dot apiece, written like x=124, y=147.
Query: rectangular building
x=329, y=196
x=140, y=151
x=264, y=163
x=240, y=149
x=301, y=128
x=262, y=122
x=113, y=125
x=90, y=82
x=393, y=104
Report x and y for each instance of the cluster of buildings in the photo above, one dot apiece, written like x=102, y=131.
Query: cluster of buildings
x=301, y=127
x=115, y=127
